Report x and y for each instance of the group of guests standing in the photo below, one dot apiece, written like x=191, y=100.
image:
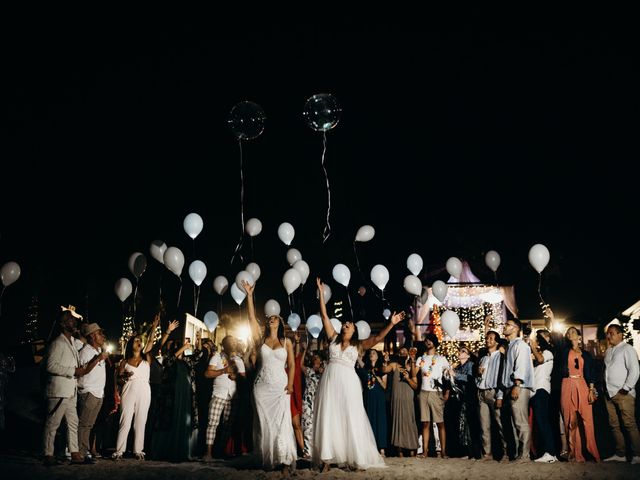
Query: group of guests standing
x=254, y=399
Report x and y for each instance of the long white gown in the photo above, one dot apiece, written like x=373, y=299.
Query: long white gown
x=342, y=433
x=273, y=437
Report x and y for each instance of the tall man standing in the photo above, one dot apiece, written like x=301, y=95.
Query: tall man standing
x=620, y=375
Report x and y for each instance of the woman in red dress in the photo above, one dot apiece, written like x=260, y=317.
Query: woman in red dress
x=296, y=396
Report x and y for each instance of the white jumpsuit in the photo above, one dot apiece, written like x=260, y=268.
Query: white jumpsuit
x=135, y=401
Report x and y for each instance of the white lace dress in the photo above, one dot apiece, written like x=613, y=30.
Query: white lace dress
x=342, y=433
x=273, y=438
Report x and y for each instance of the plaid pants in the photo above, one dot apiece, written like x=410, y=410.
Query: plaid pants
x=224, y=409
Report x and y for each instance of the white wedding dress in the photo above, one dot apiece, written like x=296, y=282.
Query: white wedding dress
x=273, y=438
x=342, y=433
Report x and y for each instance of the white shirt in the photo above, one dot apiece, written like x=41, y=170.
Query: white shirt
x=93, y=382
x=432, y=368
x=491, y=365
x=621, y=369
x=542, y=373
x=223, y=386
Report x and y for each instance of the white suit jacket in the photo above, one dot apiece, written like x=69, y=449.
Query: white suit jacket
x=61, y=362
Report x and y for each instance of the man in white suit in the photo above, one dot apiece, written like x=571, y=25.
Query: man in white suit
x=63, y=369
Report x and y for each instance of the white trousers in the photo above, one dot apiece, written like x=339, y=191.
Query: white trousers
x=134, y=406
x=66, y=407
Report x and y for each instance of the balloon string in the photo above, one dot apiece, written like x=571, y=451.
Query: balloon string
x=495, y=275
x=350, y=307
x=179, y=293
x=135, y=296
x=160, y=285
x=357, y=260
x=327, y=228
x=197, y=301
x=304, y=315
x=539, y=286
x=252, y=255
x=1, y=294
x=290, y=306
x=237, y=251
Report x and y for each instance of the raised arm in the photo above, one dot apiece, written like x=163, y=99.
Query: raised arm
x=251, y=308
x=170, y=328
x=151, y=335
x=302, y=366
x=371, y=341
x=326, y=323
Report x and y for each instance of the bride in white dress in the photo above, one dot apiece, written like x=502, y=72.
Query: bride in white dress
x=273, y=437
x=342, y=433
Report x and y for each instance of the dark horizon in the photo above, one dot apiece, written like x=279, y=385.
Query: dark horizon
x=449, y=144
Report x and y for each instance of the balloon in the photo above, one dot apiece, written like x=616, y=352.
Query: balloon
x=414, y=263
x=293, y=321
x=10, y=272
x=237, y=294
x=272, y=307
x=365, y=233
x=303, y=269
x=492, y=259
x=253, y=227
x=193, y=225
x=539, y=257
x=450, y=322
x=197, y=271
x=326, y=290
x=314, y=325
x=246, y=276
x=364, y=330
x=341, y=274
x=211, y=320
x=337, y=324
x=291, y=280
x=293, y=255
x=123, y=289
x=439, y=289
x=220, y=284
x=246, y=120
x=386, y=313
x=157, y=249
x=412, y=285
x=137, y=264
x=254, y=270
x=286, y=233
x=380, y=276
x=322, y=112
x=174, y=260
x=454, y=267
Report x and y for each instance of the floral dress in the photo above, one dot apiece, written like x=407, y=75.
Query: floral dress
x=312, y=380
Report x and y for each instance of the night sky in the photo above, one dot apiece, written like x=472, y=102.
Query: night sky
x=450, y=143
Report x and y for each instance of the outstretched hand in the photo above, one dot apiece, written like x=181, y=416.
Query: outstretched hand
x=397, y=317
x=173, y=325
x=320, y=287
x=248, y=287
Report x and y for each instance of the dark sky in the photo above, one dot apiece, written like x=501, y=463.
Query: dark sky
x=450, y=143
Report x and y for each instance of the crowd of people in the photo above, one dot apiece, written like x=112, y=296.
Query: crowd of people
x=340, y=402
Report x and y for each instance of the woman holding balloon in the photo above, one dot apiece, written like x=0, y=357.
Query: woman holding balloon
x=342, y=432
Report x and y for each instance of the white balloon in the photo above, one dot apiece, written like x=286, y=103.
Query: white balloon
x=364, y=330
x=539, y=257
x=254, y=270
x=253, y=227
x=157, y=249
x=365, y=233
x=220, y=284
x=293, y=255
x=492, y=259
x=386, y=313
x=193, y=224
x=137, y=264
x=303, y=269
x=271, y=307
x=412, y=285
x=450, y=322
x=414, y=263
x=10, y=272
x=197, y=271
x=293, y=321
x=174, y=260
x=337, y=324
x=326, y=290
x=454, y=267
x=237, y=294
x=314, y=325
x=380, y=276
x=341, y=274
x=246, y=276
x=286, y=233
x=439, y=289
x=211, y=320
x=123, y=289
x=291, y=280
